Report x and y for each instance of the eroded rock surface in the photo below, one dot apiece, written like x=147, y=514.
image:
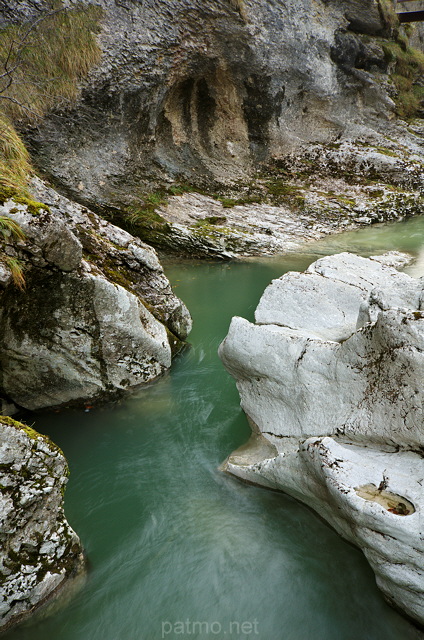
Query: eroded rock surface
x=39, y=552
x=200, y=93
x=97, y=315
x=330, y=377
x=211, y=87
x=259, y=223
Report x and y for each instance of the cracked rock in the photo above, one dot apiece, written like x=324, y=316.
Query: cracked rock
x=330, y=377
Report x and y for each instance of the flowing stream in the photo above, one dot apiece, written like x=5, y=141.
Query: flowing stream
x=178, y=549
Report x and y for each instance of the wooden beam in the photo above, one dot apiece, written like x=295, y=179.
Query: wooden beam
x=411, y=16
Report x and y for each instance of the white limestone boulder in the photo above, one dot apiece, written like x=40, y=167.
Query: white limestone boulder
x=97, y=315
x=330, y=377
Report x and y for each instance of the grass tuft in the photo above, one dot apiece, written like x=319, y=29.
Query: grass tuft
x=9, y=227
x=407, y=72
x=15, y=166
x=17, y=271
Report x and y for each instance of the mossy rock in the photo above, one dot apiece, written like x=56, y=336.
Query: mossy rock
x=29, y=431
x=33, y=207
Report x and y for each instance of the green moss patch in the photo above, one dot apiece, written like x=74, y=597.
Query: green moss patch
x=30, y=432
x=33, y=207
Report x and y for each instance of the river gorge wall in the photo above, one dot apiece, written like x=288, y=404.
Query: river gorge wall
x=211, y=89
x=254, y=103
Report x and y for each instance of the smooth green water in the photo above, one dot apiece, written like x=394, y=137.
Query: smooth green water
x=178, y=549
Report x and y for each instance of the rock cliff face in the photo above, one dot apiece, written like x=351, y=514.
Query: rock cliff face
x=330, y=379
x=200, y=92
x=211, y=88
x=97, y=315
x=39, y=552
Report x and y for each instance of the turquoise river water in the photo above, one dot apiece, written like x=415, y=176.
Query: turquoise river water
x=177, y=549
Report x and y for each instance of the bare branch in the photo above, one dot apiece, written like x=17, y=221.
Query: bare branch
x=36, y=22
x=15, y=49
x=20, y=104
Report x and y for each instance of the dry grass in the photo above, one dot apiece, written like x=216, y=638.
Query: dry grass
x=10, y=228
x=49, y=59
x=41, y=65
x=17, y=272
x=15, y=167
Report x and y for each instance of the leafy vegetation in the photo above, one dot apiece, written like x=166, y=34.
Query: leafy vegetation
x=407, y=69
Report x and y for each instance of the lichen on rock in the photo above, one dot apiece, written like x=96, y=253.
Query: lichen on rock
x=39, y=552
x=97, y=315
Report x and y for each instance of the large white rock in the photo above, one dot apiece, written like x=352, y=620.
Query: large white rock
x=97, y=315
x=330, y=378
x=90, y=338
x=325, y=299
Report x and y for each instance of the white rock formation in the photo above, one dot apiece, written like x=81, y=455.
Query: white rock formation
x=97, y=315
x=330, y=377
x=39, y=552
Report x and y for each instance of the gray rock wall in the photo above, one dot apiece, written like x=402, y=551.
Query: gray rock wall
x=202, y=91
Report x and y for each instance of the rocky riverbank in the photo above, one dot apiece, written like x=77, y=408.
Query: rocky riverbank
x=39, y=553
x=297, y=200
x=330, y=379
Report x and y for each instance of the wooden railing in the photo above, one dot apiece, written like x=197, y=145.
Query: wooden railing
x=409, y=16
